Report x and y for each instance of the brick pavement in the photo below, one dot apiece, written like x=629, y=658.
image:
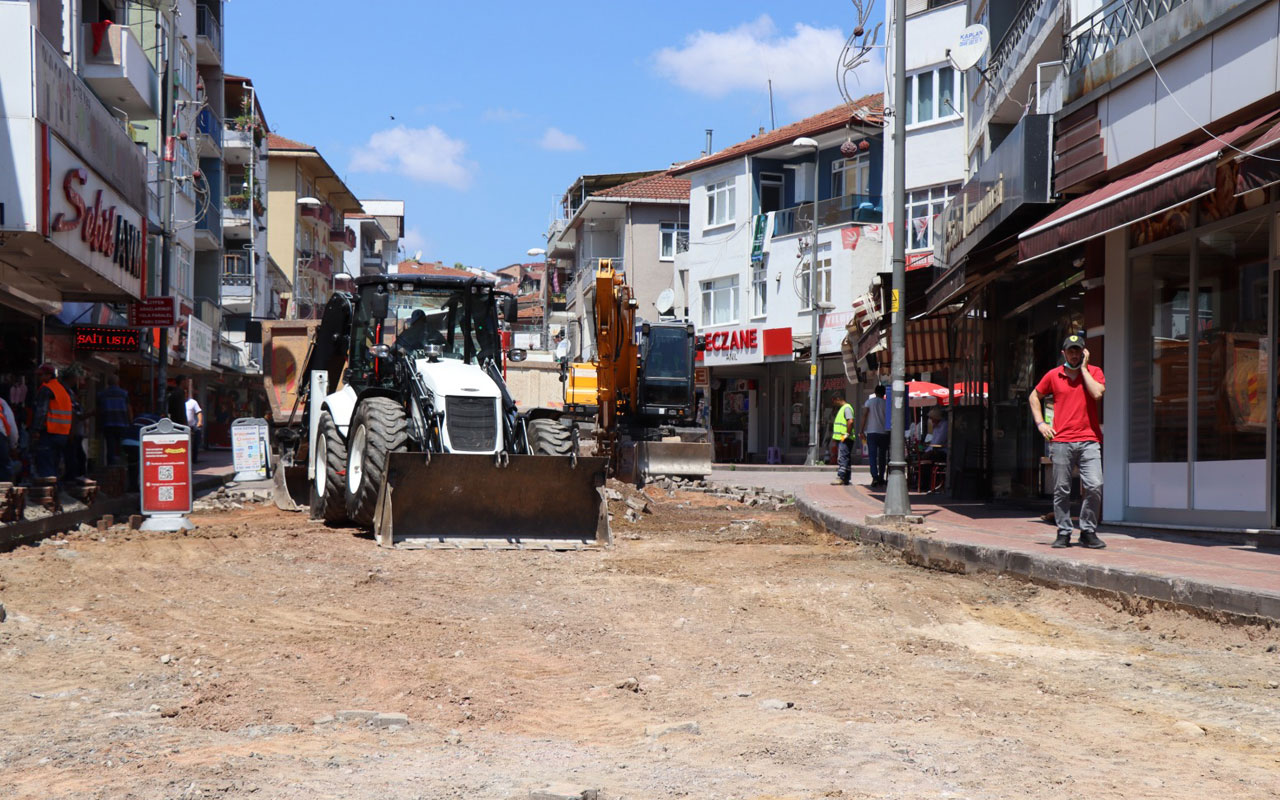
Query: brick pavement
x=1202, y=573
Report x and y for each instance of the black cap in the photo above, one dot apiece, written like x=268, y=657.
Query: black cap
x=1074, y=340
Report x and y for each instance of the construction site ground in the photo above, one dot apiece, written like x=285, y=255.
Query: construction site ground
x=717, y=650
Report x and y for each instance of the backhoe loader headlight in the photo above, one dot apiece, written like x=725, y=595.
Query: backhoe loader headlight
x=380, y=351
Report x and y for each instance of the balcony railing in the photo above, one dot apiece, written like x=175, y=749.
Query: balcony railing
x=207, y=125
x=209, y=26
x=1100, y=32
x=1017, y=40
x=843, y=210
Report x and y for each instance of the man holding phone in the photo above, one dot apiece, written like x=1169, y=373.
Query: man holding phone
x=1075, y=438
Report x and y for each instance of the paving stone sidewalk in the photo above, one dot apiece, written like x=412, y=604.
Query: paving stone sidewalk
x=1203, y=573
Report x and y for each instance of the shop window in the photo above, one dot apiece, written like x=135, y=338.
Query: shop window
x=720, y=301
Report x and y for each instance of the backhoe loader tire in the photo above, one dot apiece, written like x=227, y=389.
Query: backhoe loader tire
x=377, y=428
x=328, y=501
x=547, y=437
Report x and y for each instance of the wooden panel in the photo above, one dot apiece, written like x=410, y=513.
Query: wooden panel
x=1077, y=156
x=1074, y=137
x=1068, y=180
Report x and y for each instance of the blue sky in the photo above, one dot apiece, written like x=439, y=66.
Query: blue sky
x=499, y=106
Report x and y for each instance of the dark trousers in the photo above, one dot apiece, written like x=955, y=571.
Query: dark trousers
x=49, y=454
x=878, y=455
x=197, y=438
x=844, y=460
x=6, y=466
x=114, y=436
x=77, y=461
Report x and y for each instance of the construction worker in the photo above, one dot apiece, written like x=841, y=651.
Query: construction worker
x=841, y=427
x=51, y=424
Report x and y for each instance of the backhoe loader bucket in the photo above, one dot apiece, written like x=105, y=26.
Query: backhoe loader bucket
x=640, y=462
x=481, y=501
x=292, y=488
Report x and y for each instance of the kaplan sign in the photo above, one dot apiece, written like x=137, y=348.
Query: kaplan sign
x=92, y=222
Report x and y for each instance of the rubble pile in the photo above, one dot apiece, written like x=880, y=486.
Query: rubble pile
x=747, y=495
x=231, y=498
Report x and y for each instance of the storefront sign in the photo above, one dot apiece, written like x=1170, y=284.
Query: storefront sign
x=166, y=475
x=747, y=346
x=1017, y=173
x=199, y=343
x=250, y=448
x=100, y=339
x=93, y=223
x=153, y=312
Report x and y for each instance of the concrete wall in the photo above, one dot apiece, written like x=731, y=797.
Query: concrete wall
x=282, y=212
x=535, y=385
x=647, y=274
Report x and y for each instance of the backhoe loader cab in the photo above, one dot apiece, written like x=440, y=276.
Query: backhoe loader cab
x=413, y=432
x=665, y=389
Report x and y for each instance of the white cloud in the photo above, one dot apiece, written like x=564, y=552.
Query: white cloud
x=556, y=139
x=503, y=115
x=801, y=65
x=427, y=155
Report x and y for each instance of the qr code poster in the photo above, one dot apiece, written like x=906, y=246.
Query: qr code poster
x=166, y=494
x=166, y=473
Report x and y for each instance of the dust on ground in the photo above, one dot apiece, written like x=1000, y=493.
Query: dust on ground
x=716, y=651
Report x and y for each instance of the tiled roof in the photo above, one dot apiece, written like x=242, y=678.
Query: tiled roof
x=663, y=186
x=832, y=119
x=411, y=267
x=277, y=142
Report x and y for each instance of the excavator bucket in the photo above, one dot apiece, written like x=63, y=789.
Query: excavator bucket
x=292, y=488
x=457, y=500
x=640, y=462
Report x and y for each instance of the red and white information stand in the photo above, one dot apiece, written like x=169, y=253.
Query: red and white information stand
x=166, y=476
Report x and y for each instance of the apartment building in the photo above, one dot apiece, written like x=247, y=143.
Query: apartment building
x=306, y=230
x=378, y=231
x=744, y=279
x=1124, y=185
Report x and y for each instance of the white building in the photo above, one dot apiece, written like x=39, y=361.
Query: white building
x=378, y=230
x=744, y=280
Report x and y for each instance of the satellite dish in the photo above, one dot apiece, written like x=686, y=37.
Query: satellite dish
x=666, y=301
x=973, y=45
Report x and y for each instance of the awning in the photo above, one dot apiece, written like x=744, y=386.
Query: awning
x=1260, y=164
x=927, y=348
x=1154, y=190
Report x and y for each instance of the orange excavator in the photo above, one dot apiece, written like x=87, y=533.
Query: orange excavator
x=644, y=413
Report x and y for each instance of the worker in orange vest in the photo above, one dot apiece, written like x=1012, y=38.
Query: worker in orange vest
x=51, y=425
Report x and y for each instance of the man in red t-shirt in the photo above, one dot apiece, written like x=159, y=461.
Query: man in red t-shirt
x=1075, y=438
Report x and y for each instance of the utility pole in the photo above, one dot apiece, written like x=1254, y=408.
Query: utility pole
x=165, y=175
x=897, y=505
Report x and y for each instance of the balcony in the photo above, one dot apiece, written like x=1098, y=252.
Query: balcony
x=117, y=69
x=1033, y=37
x=849, y=209
x=343, y=237
x=208, y=135
x=237, y=283
x=1099, y=33
x=208, y=36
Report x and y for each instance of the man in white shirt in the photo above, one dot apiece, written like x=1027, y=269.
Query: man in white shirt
x=195, y=421
x=876, y=434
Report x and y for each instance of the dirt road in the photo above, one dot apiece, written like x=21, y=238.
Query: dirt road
x=786, y=663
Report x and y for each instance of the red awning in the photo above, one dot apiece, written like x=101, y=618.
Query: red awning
x=1156, y=189
x=1260, y=163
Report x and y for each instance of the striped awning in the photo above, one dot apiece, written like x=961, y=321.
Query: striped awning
x=927, y=348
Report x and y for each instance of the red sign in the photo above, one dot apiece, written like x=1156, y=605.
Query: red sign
x=747, y=346
x=166, y=473
x=100, y=339
x=105, y=232
x=153, y=312
x=733, y=340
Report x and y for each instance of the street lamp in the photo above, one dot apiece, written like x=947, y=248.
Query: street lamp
x=805, y=143
x=534, y=252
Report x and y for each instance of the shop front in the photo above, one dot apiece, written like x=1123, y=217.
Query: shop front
x=746, y=370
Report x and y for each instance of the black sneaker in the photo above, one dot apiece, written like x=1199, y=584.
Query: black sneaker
x=1063, y=540
x=1090, y=540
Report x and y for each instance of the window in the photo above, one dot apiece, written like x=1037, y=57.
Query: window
x=770, y=192
x=720, y=200
x=934, y=95
x=851, y=176
x=186, y=274
x=720, y=301
x=824, y=279
x=924, y=209
x=674, y=239
x=760, y=288
x=186, y=168
x=187, y=69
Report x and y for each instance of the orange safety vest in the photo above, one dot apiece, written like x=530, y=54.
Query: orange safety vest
x=58, y=419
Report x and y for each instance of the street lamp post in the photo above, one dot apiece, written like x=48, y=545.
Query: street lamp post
x=897, y=505
x=804, y=142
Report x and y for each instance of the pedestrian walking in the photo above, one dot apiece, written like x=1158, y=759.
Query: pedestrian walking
x=195, y=421
x=117, y=422
x=1075, y=438
x=51, y=423
x=841, y=427
x=874, y=432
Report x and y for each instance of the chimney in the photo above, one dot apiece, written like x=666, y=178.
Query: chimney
x=761, y=133
x=709, y=150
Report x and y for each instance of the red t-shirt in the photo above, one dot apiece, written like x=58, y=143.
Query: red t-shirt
x=1075, y=412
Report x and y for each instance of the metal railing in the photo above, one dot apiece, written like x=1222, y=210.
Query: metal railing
x=1100, y=32
x=207, y=125
x=210, y=27
x=843, y=210
x=1026, y=25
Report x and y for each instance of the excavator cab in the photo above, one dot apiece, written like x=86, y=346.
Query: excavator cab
x=666, y=374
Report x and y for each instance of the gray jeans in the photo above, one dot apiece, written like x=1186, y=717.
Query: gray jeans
x=1087, y=457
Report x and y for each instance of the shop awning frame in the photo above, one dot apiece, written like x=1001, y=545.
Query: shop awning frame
x=1164, y=185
